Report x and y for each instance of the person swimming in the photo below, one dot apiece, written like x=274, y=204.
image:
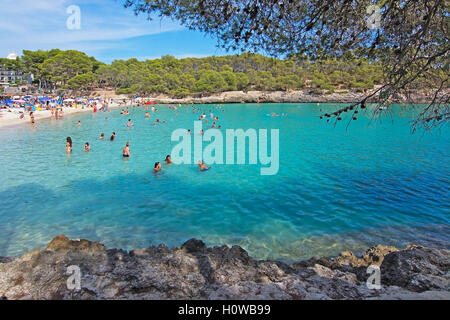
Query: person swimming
x=168, y=159
x=87, y=147
x=147, y=115
x=129, y=124
x=112, y=136
x=79, y=123
x=202, y=166
x=102, y=136
x=68, y=144
x=157, y=167
x=126, y=150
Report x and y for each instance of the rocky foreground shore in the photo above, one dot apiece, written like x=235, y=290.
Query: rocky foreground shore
x=194, y=271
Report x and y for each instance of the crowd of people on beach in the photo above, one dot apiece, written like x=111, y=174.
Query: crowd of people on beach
x=31, y=105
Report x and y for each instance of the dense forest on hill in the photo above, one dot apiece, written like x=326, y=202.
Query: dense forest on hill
x=180, y=77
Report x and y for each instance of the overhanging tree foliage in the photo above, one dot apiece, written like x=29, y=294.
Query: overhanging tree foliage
x=409, y=39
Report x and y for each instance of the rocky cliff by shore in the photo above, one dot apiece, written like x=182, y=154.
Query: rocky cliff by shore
x=299, y=96
x=194, y=271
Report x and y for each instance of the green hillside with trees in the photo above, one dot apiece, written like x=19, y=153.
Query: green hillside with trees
x=56, y=69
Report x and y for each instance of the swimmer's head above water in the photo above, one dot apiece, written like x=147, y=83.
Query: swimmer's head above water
x=157, y=167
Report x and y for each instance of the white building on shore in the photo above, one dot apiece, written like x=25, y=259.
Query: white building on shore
x=10, y=76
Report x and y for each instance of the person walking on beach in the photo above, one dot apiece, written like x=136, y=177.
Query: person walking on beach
x=68, y=145
x=126, y=150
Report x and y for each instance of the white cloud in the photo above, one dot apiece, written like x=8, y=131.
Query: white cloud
x=41, y=24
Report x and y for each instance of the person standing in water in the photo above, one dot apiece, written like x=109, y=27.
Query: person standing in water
x=68, y=145
x=126, y=150
x=32, y=117
x=101, y=136
x=87, y=147
x=168, y=159
x=112, y=136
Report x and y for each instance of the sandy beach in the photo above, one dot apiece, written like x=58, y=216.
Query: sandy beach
x=8, y=118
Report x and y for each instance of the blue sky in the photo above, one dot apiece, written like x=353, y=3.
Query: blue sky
x=108, y=31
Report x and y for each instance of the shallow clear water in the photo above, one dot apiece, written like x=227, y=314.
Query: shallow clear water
x=336, y=189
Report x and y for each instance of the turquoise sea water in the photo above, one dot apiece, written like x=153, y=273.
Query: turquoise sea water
x=336, y=189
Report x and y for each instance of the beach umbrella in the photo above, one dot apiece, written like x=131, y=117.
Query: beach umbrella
x=30, y=107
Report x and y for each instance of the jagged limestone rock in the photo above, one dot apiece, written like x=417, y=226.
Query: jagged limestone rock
x=194, y=271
